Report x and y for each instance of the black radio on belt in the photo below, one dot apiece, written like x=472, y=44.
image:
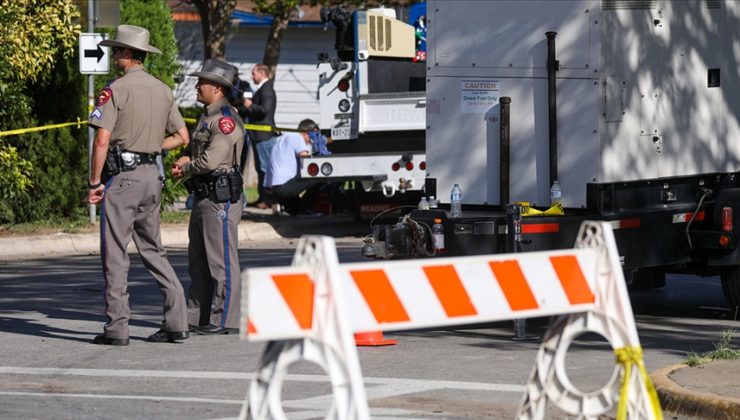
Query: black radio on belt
x=236, y=184
x=221, y=188
x=228, y=185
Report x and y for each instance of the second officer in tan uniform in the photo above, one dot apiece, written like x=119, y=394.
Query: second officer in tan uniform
x=215, y=180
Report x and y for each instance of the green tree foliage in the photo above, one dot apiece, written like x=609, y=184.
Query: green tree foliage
x=31, y=34
x=37, y=40
x=155, y=16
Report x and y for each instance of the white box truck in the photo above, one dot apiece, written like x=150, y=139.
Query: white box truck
x=631, y=105
x=371, y=94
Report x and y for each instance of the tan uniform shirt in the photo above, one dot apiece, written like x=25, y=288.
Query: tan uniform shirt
x=212, y=144
x=139, y=110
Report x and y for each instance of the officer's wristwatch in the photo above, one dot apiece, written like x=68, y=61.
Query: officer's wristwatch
x=94, y=186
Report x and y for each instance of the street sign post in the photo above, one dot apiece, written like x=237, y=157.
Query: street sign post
x=94, y=59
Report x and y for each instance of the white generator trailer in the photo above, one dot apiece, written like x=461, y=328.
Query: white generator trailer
x=633, y=106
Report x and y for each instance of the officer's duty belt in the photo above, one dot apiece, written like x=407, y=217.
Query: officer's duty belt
x=144, y=158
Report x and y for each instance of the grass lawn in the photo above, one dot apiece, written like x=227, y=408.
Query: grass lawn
x=81, y=223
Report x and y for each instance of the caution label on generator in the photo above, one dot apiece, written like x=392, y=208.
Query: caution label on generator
x=478, y=96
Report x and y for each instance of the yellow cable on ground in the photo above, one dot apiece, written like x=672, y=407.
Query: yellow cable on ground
x=42, y=128
x=628, y=356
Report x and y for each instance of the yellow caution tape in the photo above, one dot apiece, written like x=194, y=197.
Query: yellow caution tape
x=527, y=210
x=628, y=356
x=554, y=210
x=254, y=127
x=42, y=128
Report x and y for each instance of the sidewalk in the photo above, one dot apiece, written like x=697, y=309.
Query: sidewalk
x=256, y=225
x=709, y=391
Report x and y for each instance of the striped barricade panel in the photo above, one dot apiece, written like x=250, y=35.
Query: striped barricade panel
x=411, y=294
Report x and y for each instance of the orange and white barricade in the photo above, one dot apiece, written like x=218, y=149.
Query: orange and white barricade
x=311, y=310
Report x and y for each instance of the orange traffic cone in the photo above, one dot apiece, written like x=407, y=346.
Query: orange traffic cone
x=374, y=338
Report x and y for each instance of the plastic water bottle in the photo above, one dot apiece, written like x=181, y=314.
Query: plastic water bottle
x=456, y=201
x=438, y=236
x=433, y=204
x=423, y=203
x=556, y=193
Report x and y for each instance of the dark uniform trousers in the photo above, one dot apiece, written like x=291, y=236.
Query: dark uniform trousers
x=130, y=209
x=214, y=295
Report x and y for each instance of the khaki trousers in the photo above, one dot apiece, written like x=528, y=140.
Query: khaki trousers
x=213, y=264
x=130, y=210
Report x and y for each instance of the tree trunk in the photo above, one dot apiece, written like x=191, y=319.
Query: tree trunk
x=274, y=41
x=214, y=18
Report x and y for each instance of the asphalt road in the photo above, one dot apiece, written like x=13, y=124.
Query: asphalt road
x=51, y=308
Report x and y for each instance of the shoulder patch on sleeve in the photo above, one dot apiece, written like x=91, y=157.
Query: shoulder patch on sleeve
x=104, y=96
x=226, y=125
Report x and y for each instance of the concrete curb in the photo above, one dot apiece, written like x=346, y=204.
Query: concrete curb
x=679, y=400
x=28, y=247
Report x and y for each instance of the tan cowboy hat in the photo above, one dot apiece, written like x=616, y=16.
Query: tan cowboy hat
x=132, y=37
x=218, y=71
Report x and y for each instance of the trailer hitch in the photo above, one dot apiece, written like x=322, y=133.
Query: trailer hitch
x=388, y=188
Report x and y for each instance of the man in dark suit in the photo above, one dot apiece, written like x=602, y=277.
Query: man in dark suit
x=260, y=109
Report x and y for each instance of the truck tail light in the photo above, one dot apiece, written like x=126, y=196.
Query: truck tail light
x=409, y=166
x=726, y=219
x=423, y=166
x=724, y=240
x=326, y=169
x=343, y=85
x=313, y=169
x=396, y=166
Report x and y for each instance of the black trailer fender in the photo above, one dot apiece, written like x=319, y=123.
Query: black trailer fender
x=728, y=262
x=728, y=197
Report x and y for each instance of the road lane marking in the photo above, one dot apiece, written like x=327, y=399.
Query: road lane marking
x=303, y=414
x=401, y=384
x=299, y=409
x=121, y=397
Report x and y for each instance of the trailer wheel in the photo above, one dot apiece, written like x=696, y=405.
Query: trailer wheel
x=730, y=276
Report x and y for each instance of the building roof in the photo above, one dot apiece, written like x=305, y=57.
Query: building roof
x=244, y=14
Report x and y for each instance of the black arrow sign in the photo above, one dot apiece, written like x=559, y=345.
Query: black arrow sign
x=99, y=53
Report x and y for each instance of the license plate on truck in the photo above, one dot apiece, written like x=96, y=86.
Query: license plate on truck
x=343, y=132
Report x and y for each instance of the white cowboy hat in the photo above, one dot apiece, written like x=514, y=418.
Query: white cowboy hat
x=132, y=37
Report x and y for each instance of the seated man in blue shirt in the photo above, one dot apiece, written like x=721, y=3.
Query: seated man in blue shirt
x=281, y=179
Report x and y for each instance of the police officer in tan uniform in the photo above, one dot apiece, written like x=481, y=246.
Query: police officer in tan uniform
x=135, y=117
x=212, y=163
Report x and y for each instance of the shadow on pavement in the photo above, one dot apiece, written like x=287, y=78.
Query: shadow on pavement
x=296, y=226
